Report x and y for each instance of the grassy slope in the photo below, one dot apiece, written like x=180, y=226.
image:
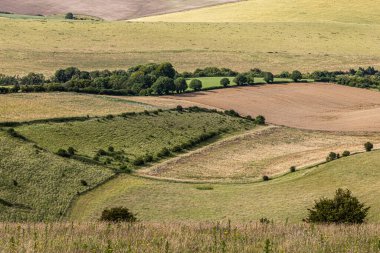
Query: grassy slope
x=32, y=106
x=284, y=198
x=46, y=182
x=281, y=11
x=134, y=135
x=272, y=46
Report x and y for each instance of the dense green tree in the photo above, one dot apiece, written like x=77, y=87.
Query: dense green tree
x=241, y=80
x=196, y=84
x=343, y=208
x=163, y=85
x=33, y=79
x=180, y=84
x=165, y=69
x=296, y=76
x=368, y=146
x=268, y=77
x=225, y=82
x=69, y=15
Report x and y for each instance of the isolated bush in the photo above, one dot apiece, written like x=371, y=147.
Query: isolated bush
x=71, y=151
x=179, y=108
x=84, y=182
x=266, y=178
x=293, y=169
x=296, y=76
x=63, y=153
x=101, y=152
x=69, y=15
x=139, y=161
x=225, y=82
x=117, y=214
x=332, y=156
x=346, y=153
x=368, y=146
x=241, y=80
x=343, y=208
x=15, y=183
x=264, y=220
x=260, y=120
x=196, y=84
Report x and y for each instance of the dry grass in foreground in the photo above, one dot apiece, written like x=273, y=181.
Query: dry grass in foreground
x=264, y=151
x=182, y=237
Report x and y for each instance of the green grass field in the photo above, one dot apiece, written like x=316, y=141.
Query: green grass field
x=131, y=137
x=281, y=199
x=37, y=185
x=214, y=82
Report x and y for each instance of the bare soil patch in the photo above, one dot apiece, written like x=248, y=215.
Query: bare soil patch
x=314, y=106
x=264, y=151
x=110, y=10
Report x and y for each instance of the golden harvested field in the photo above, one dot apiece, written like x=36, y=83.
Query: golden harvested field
x=32, y=106
x=46, y=45
x=364, y=12
x=314, y=106
x=111, y=10
x=266, y=151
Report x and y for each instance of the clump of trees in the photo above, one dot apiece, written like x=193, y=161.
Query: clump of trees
x=118, y=214
x=343, y=208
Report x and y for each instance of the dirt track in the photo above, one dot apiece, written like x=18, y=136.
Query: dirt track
x=110, y=10
x=308, y=106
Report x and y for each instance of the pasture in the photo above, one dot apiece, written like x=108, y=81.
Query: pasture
x=282, y=199
x=317, y=106
x=132, y=136
x=36, y=185
x=239, y=46
x=253, y=154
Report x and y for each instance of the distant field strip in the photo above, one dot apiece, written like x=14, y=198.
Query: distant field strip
x=285, y=198
x=272, y=46
x=265, y=151
x=280, y=11
x=317, y=106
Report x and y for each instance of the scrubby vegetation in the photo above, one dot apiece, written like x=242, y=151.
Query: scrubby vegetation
x=118, y=214
x=37, y=185
x=119, y=140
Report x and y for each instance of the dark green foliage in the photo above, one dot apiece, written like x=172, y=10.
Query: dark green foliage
x=264, y=220
x=139, y=161
x=15, y=134
x=71, y=151
x=32, y=79
x=111, y=149
x=346, y=153
x=292, y=169
x=163, y=153
x=163, y=85
x=118, y=214
x=332, y=156
x=296, y=75
x=343, y=208
x=63, y=153
x=268, y=77
x=69, y=15
x=83, y=182
x=179, y=108
x=225, y=82
x=15, y=183
x=180, y=85
x=210, y=72
x=196, y=84
x=232, y=113
x=148, y=158
x=368, y=146
x=260, y=120
x=266, y=178
x=205, y=188
x=241, y=80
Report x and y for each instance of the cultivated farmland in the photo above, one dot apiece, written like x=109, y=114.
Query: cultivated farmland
x=309, y=106
x=264, y=151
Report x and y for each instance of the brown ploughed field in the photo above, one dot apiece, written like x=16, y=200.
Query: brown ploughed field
x=314, y=106
x=111, y=10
